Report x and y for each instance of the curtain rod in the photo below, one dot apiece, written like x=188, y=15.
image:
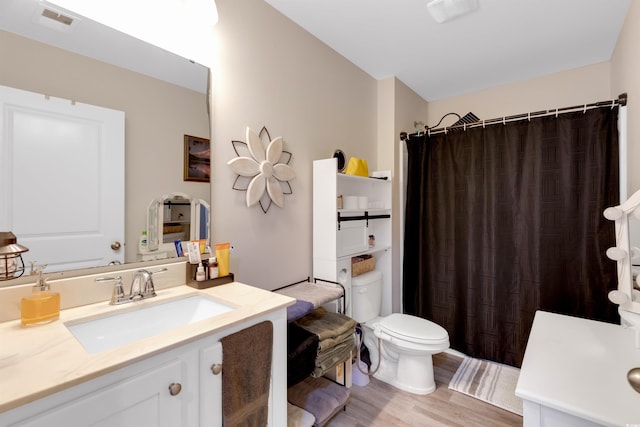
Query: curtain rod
x=621, y=101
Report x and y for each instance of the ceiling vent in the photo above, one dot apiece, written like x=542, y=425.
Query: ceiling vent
x=58, y=20
x=446, y=10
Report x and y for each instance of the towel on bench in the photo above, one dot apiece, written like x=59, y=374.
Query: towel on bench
x=326, y=324
x=320, y=397
x=299, y=309
x=302, y=348
x=329, y=343
x=328, y=359
x=298, y=417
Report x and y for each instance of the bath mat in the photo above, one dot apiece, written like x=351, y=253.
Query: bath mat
x=490, y=382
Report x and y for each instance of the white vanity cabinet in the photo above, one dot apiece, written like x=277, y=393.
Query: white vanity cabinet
x=137, y=395
x=342, y=233
x=574, y=374
x=177, y=387
x=138, y=400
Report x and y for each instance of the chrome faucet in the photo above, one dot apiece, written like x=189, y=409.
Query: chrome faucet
x=142, y=287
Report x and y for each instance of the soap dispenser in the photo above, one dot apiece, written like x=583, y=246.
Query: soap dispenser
x=201, y=276
x=43, y=306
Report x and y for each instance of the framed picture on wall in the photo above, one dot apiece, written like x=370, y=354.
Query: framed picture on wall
x=197, y=159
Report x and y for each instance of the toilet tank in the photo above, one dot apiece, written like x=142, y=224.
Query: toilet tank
x=366, y=296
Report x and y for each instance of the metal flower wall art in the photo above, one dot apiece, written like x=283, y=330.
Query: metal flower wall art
x=264, y=173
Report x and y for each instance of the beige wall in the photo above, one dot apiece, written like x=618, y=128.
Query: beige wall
x=272, y=73
x=398, y=108
x=564, y=89
x=157, y=116
x=625, y=77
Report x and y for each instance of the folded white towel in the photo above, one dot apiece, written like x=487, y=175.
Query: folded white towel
x=298, y=417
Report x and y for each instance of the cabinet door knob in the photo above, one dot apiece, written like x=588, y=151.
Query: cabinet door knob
x=216, y=368
x=175, y=388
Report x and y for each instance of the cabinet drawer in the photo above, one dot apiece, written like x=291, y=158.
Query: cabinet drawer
x=352, y=237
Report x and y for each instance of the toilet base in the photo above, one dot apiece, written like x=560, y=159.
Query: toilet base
x=408, y=371
x=404, y=387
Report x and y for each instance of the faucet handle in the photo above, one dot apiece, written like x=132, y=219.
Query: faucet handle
x=117, y=296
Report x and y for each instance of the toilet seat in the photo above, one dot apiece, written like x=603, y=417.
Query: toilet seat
x=413, y=329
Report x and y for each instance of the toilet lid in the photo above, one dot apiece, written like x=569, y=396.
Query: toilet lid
x=413, y=329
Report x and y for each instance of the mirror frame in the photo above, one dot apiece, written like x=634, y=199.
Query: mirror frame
x=27, y=279
x=155, y=220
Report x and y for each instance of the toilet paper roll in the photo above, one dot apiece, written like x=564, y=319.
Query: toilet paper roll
x=363, y=202
x=350, y=202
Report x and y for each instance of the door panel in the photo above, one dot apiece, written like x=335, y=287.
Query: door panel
x=62, y=179
x=210, y=386
x=140, y=401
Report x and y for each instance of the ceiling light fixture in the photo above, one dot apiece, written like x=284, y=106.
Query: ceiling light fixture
x=446, y=10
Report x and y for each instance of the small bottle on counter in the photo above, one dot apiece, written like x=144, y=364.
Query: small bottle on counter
x=144, y=243
x=200, y=274
x=213, y=268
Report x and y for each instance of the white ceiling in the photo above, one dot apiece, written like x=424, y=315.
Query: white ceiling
x=92, y=39
x=503, y=41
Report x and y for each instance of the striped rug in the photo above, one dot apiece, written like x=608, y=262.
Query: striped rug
x=488, y=381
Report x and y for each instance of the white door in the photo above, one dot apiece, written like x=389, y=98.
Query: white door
x=62, y=179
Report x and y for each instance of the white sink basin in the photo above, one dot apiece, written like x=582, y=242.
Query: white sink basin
x=114, y=331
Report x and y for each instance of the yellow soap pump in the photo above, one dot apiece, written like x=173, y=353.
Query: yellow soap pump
x=43, y=306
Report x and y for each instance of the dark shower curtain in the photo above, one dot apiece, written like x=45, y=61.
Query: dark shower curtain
x=506, y=220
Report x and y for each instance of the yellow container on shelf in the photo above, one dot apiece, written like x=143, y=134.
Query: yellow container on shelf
x=222, y=255
x=357, y=167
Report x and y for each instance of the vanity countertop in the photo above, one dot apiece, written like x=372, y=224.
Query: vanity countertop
x=579, y=367
x=41, y=360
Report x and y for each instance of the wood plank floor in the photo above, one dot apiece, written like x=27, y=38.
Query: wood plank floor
x=381, y=405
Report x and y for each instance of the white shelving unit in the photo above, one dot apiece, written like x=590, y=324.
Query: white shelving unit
x=340, y=234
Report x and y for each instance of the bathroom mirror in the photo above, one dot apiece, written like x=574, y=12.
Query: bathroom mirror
x=175, y=216
x=163, y=96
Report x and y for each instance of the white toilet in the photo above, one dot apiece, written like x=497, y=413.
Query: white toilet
x=407, y=342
